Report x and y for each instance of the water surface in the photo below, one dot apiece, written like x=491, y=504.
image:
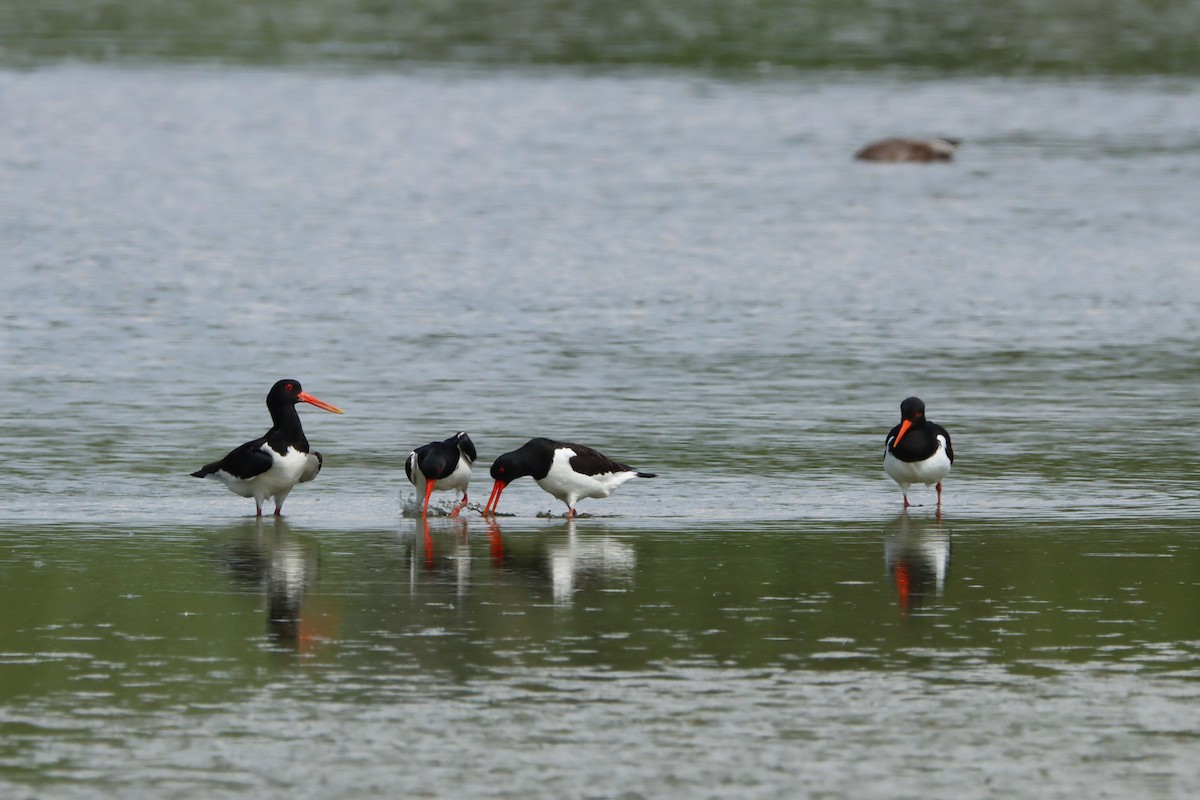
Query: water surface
x=1067, y=37
x=691, y=275
x=893, y=659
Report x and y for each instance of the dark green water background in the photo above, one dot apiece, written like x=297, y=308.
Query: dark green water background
x=978, y=37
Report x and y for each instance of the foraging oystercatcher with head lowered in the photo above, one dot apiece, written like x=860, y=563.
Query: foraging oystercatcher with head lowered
x=917, y=450
x=272, y=465
x=444, y=466
x=568, y=471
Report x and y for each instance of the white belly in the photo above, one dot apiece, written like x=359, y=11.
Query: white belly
x=571, y=487
x=458, y=480
x=276, y=482
x=929, y=471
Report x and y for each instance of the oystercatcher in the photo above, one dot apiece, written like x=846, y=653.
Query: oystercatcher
x=444, y=466
x=916, y=450
x=273, y=464
x=568, y=471
x=900, y=149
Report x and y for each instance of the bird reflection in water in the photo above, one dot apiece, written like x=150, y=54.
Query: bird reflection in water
x=284, y=567
x=430, y=557
x=917, y=553
x=495, y=542
x=569, y=562
x=584, y=561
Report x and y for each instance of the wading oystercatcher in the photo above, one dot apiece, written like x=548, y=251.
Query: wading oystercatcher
x=916, y=450
x=444, y=466
x=273, y=464
x=568, y=471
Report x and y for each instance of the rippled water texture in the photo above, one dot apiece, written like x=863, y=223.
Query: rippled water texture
x=690, y=274
x=1069, y=37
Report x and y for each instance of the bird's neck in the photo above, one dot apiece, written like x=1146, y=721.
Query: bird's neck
x=286, y=430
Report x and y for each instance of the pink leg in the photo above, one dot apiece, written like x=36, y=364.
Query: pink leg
x=459, y=507
x=939, y=488
x=571, y=512
x=906, y=503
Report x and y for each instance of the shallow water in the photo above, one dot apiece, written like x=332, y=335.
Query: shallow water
x=691, y=275
x=894, y=658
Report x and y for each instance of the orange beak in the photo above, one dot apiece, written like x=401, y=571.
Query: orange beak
x=494, y=498
x=305, y=397
x=904, y=426
x=428, y=492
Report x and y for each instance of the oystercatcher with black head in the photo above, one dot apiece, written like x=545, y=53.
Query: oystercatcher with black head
x=917, y=450
x=444, y=466
x=272, y=465
x=568, y=471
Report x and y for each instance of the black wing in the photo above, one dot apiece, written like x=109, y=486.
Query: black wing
x=242, y=462
x=437, y=460
x=588, y=461
x=938, y=430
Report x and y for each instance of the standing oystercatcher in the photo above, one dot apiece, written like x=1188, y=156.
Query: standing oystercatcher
x=568, y=471
x=444, y=466
x=273, y=464
x=916, y=450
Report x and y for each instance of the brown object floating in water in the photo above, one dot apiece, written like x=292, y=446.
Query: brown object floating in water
x=900, y=149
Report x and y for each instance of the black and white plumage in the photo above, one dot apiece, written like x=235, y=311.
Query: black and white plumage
x=272, y=465
x=917, y=450
x=443, y=466
x=568, y=471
